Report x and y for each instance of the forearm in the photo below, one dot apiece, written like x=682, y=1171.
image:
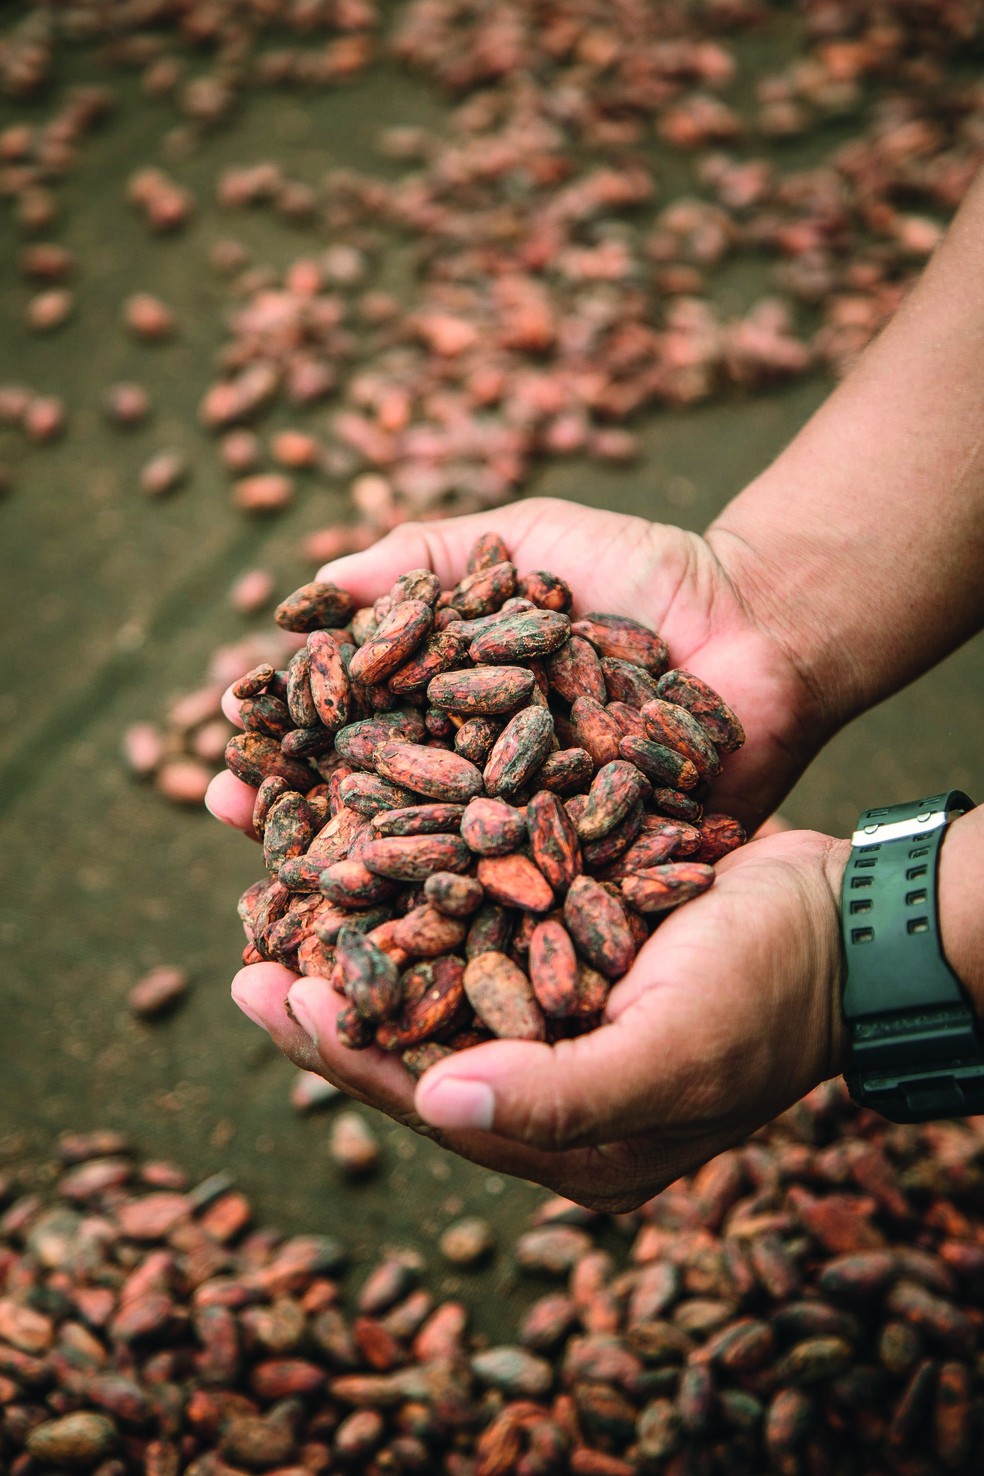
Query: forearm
x=861, y=548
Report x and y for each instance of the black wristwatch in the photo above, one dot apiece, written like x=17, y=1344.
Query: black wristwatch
x=915, y=1046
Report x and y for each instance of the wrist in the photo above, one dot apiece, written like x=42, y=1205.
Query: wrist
x=785, y=587
x=961, y=884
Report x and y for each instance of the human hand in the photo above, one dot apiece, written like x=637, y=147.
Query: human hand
x=669, y=579
x=729, y=1014
x=672, y=581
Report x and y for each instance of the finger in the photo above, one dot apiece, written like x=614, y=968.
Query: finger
x=372, y=1075
x=670, y=1057
x=260, y=991
x=380, y=1080
x=231, y=801
x=231, y=707
x=550, y=1097
x=442, y=545
x=607, y=1177
x=532, y=528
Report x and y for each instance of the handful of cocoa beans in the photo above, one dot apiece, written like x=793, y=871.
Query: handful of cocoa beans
x=474, y=808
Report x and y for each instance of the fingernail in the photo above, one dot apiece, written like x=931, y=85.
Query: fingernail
x=454, y=1102
x=242, y=999
x=303, y=1014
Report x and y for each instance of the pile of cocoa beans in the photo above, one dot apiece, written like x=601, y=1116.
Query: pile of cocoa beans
x=473, y=807
x=807, y=1304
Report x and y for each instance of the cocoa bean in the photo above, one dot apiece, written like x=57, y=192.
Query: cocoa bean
x=484, y=590
x=514, y=881
x=416, y=857
x=624, y=639
x=594, y=731
x=553, y=969
x=674, y=727
x=597, y=924
x=502, y=997
x=482, y=690
x=253, y=757
x=490, y=827
x=434, y=819
x=661, y=888
x=458, y=896
x=433, y=772
x=553, y=840
x=518, y=751
x=314, y=606
x=518, y=636
x=394, y=640
x=439, y=653
x=713, y=713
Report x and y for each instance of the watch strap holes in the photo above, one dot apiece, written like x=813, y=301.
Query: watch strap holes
x=915, y=872
x=861, y=904
x=918, y=925
x=857, y=882
x=865, y=935
x=915, y=899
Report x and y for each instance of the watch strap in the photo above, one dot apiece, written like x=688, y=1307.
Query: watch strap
x=916, y=1050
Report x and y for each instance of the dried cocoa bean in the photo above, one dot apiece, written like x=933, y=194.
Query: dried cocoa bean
x=314, y=606
x=616, y=787
x=553, y=840
x=484, y=590
x=575, y=671
x=434, y=819
x=624, y=639
x=663, y=765
x=712, y=712
x=518, y=751
x=458, y=896
x=553, y=968
x=597, y=924
x=439, y=653
x=330, y=686
x=661, y=888
x=674, y=727
x=433, y=772
x=393, y=642
x=502, y=997
x=514, y=881
x=481, y=690
x=595, y=731
x=416, y=857
x=490, y=827
x=253, y=757
x=517, y=637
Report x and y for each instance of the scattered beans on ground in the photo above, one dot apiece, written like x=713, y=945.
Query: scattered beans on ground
x=811, y=1301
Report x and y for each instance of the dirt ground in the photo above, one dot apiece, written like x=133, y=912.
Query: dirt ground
x=111, y=603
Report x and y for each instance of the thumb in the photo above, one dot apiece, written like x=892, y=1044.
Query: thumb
x=442, y=545
x=630, y=1075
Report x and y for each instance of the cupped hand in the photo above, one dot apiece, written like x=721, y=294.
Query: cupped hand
x=725, y=1018
x=669, y=579
x=728, y=1016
